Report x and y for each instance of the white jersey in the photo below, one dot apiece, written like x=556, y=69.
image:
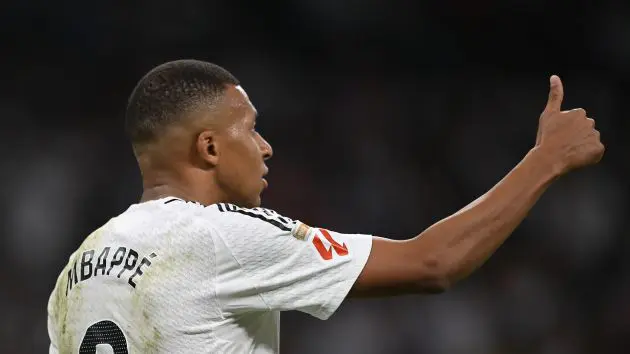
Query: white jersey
x=170, y=276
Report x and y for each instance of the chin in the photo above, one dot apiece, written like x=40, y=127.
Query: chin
x=250, y=203
x=256, y=202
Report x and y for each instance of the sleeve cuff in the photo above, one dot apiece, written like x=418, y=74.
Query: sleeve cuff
x=361, y=246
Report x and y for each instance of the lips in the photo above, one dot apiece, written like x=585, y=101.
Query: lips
x=265, y=184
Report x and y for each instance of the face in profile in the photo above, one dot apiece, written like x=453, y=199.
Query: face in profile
x=241, y=151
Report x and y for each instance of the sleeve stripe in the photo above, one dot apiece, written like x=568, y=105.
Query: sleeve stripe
x=271, y=221
x=260, y=214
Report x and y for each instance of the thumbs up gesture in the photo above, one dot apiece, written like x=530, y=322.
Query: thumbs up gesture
x=568, y=138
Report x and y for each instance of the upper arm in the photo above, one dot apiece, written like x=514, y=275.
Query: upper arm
x=395, y=268
x=282, y=264
x=50, y=321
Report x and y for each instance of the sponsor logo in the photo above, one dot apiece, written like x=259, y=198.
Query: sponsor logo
x=326, y=245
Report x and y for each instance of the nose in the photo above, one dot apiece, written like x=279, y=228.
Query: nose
x=265, y=148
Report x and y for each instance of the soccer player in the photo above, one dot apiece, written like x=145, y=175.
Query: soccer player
x=199, y=267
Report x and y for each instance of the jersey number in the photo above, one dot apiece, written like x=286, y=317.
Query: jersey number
x=104, y=332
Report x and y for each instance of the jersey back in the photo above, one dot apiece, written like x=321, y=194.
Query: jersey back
x=169, y=276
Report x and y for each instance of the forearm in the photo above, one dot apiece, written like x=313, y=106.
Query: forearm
x=454, y=247
x=459, y=244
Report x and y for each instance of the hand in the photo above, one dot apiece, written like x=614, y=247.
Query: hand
x=568, y=138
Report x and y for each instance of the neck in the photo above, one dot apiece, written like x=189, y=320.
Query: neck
x=166, y=176
x=160, y=186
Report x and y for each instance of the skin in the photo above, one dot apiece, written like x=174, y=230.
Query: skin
x=454, y=247
x=217, y=156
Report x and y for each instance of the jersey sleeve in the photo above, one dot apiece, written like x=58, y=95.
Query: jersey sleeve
x=266, y=261
x=50, y=321
x=52, y=348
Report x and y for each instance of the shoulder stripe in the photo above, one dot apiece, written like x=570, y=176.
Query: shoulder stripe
x=181, y=200
x=258, y=216
x=257, y=213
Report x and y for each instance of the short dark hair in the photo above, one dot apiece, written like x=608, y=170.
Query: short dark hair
x=170, y=90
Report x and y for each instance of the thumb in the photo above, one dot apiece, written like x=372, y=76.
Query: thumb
x=556, y=94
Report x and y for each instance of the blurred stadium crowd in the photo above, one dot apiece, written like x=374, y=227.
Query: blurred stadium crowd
x=385, y=116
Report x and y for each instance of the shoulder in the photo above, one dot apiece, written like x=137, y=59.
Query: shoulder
x=231, y=221
x=230, y=216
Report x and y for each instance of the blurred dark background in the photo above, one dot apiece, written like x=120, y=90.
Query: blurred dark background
x=385, y=117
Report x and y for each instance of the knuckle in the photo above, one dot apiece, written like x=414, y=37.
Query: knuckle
x=580, y=112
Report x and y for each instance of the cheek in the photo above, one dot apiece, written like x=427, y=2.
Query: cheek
x=244, y=150
x=232, y=177
x=239, y=162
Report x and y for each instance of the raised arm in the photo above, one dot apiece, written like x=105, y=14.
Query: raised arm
x=454, y=247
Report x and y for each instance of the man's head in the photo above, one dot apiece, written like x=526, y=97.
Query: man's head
x=193, y=132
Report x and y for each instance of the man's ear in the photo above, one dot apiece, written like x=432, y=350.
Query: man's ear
x=207, y=147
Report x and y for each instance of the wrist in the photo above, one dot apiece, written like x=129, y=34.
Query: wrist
x=547, y=164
